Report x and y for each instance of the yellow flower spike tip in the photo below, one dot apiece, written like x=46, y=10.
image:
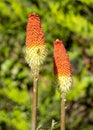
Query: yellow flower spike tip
x=62, y=67
x=35, y=48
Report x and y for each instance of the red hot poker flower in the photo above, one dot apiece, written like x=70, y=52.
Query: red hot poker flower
x=35, y=47
x=62, y=67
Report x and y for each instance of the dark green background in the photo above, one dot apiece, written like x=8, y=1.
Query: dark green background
x=69, y=20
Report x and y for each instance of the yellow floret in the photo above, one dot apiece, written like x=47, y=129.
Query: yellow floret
x=35, y=56
x=65, y=83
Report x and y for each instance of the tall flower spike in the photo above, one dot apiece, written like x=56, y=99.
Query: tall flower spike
x=35, y=47
x=62, y=67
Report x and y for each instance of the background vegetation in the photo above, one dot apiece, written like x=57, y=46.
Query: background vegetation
x=69, y=20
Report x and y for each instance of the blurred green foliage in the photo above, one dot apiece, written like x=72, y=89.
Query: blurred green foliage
x=71, y=21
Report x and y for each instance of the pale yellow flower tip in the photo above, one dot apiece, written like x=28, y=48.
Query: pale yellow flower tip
x=35, y=56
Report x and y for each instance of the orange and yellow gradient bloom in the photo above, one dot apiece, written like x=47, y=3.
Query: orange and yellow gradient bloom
x=62, y=67
x=35, y=47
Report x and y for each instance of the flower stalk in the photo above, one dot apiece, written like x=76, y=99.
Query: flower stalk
x=34, y=105
x=35, y=56
x=63, y=113
x=62, y=69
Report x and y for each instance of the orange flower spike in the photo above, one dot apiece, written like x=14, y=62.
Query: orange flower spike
x=34, y=34
x=35, y=47
x=62, y=67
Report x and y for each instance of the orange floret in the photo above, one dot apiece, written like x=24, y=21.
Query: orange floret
x=62, y=65
x=34, y=33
